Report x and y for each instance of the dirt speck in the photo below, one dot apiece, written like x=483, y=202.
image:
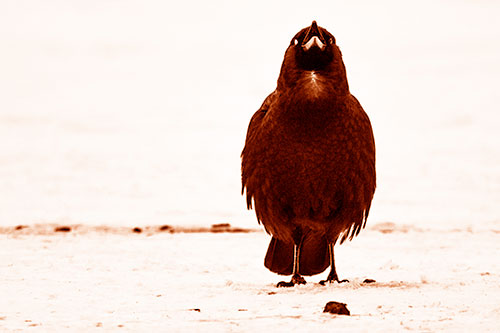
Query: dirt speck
x=369, y=281
x=221, y=227
x=137, y=230
x=336, y=308
x=62, y=229
x=196, y=310
x=166, y=227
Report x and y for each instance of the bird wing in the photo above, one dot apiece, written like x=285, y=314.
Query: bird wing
x=252, y=131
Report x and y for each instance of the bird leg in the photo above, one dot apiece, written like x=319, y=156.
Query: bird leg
x=296, y=277
x=332, y=276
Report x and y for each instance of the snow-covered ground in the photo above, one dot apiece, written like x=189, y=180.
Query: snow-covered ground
x=426, y=281
x=133, y=113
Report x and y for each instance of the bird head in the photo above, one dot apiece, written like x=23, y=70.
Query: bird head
x=313, y=49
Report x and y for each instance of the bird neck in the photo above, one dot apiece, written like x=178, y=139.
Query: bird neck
x=314, y=86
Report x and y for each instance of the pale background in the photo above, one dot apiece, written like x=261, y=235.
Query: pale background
x=135, y=112
x=117, y=114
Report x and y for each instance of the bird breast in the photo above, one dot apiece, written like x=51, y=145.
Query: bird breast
x=313, y=84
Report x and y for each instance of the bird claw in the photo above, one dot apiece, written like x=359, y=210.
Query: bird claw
x=323, y=282
x=296, y=279
x=283, y=284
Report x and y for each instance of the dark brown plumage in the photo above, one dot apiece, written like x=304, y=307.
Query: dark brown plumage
x=308, y=165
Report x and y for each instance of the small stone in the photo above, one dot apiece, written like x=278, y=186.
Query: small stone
x=62, y=229
x=197, y=310
x=369, y=281
x=166, y=227
x=21, y=227
x=137, y=230
x=337, y=308
x=221, y=227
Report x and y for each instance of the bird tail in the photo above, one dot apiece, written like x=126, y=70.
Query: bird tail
x=314, y=257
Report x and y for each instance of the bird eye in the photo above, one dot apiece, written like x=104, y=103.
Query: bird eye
x=295, y=42
x=332, y=41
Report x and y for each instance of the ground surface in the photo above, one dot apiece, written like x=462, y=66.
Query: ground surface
x=427, y=280
x=134, y=113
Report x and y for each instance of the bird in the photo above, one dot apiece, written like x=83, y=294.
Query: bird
x=308, y=163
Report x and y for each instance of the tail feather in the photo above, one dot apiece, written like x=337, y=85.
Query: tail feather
x=314, y=256
x=279, y=257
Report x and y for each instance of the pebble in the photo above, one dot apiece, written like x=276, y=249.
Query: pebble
x=337, y=308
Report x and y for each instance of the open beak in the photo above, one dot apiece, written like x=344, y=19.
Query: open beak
x=313, y=38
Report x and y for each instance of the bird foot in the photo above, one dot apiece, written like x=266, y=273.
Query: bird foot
x=323, y=282
x=296, y=279
x=331, y=279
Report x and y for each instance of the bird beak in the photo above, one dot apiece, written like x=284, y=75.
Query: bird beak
x=314, y=38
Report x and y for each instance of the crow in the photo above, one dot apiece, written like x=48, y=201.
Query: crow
x=308, y=164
